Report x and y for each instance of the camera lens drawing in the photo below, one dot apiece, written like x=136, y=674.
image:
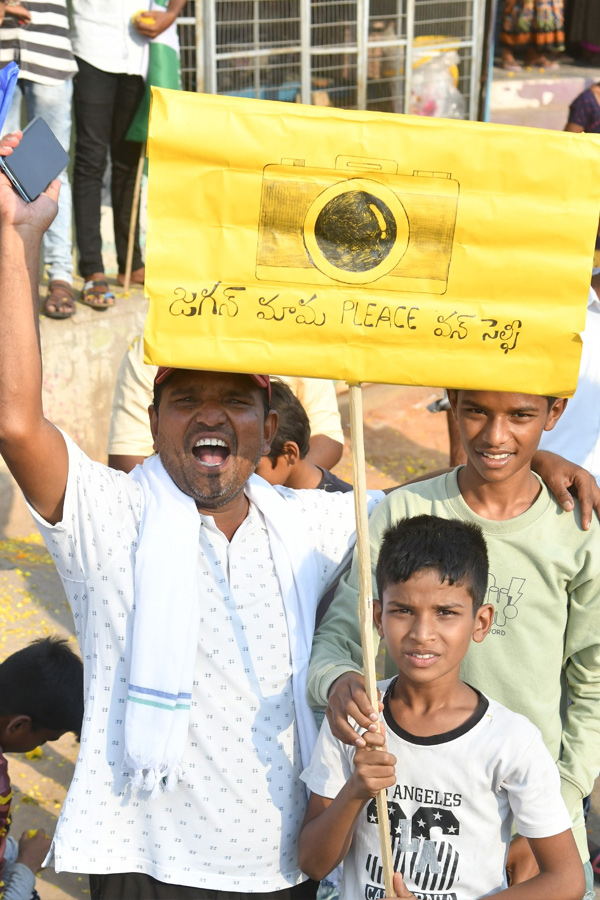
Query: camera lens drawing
x=361, y=223
x=356, y=231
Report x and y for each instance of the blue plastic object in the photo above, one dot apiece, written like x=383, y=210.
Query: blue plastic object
x=8, y=83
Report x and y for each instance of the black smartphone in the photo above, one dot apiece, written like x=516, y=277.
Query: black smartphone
x=37, y=160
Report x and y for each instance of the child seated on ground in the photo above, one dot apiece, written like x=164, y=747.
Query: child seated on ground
x=456, y=765
x=286, y=462
x=41, y=698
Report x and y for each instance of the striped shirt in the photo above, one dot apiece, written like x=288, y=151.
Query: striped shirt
x=42, y=49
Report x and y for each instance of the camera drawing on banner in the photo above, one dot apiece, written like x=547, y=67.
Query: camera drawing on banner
x=360, y=223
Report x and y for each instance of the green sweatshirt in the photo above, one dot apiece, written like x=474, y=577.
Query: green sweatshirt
x=543, y=649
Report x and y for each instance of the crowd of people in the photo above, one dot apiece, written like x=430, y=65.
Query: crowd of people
x=194, y=585
x=211, y=572
x=84, y=61
x=88, y=67
x=535, y=33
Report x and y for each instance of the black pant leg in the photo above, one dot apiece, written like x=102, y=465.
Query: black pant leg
x=94, y=94
x=125, y=157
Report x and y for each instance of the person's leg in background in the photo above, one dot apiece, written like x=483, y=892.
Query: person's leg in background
x=53, y=103
x=55, y=108
x=125, y=157
x=589, y=882
x=95, y=95
x=15, y=110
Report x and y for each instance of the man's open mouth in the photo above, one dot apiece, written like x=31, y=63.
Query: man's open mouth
x=211, y=451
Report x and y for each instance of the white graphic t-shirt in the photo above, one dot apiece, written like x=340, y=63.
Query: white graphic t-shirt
x=453, y=804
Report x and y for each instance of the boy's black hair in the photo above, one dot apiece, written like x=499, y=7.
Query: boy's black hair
x=292, y=423
x=45, y=682
x=550, y=400
x=455, y=549
x=158, y=388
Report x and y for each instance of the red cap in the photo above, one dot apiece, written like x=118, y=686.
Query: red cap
x=263, y=381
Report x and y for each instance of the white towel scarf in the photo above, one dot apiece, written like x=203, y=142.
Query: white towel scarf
x=166, y=613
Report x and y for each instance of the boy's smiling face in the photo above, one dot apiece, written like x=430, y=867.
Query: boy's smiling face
x=500, y=431
x=428, y=625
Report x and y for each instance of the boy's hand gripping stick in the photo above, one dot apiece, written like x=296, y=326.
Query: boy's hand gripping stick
x=365, y=607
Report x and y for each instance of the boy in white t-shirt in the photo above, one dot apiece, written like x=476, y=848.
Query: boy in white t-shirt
x=457, y=766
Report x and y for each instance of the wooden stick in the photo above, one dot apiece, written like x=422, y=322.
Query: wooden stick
x=365, y=606
x=133, y=220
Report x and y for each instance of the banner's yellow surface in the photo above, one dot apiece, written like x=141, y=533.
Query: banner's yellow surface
x=310, y=241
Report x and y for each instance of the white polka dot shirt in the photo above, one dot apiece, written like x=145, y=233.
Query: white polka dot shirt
x=233, y=822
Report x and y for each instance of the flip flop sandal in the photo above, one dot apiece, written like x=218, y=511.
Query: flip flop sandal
x=138, y=276
x=511, y=64
x=543, y=63
x=97, y=295
x=60, y=301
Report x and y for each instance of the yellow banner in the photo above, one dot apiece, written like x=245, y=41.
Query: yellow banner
x=301, y=240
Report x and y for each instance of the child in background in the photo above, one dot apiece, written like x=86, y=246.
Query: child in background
x=41, y=698
x=286, y=463
x=466, y=765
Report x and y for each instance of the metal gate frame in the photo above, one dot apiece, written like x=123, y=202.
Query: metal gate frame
x=208, y=56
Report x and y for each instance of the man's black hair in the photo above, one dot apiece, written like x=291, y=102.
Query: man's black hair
x=292, y=423
x=45, y=682
x=455, y=550
x=158, y=388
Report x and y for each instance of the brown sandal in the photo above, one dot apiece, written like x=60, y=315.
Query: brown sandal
x=138, y=276
x=97, y=295
x=60, y=301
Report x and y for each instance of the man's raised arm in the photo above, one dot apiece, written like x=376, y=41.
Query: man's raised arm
x=34, y=450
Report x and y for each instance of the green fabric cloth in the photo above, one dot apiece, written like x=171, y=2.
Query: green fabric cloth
x=164, y=71
x=544, y=647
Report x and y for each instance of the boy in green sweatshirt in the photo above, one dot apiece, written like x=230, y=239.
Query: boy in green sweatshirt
x=542, y=655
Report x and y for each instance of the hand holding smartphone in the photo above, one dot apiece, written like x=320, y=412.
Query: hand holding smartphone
x=37, y=160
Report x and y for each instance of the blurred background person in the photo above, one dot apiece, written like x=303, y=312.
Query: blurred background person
x=36, y=36
x=535, y=27
x=109, y=37
x=584, y=28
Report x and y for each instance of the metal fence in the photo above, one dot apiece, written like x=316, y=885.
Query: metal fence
x=420, y=56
